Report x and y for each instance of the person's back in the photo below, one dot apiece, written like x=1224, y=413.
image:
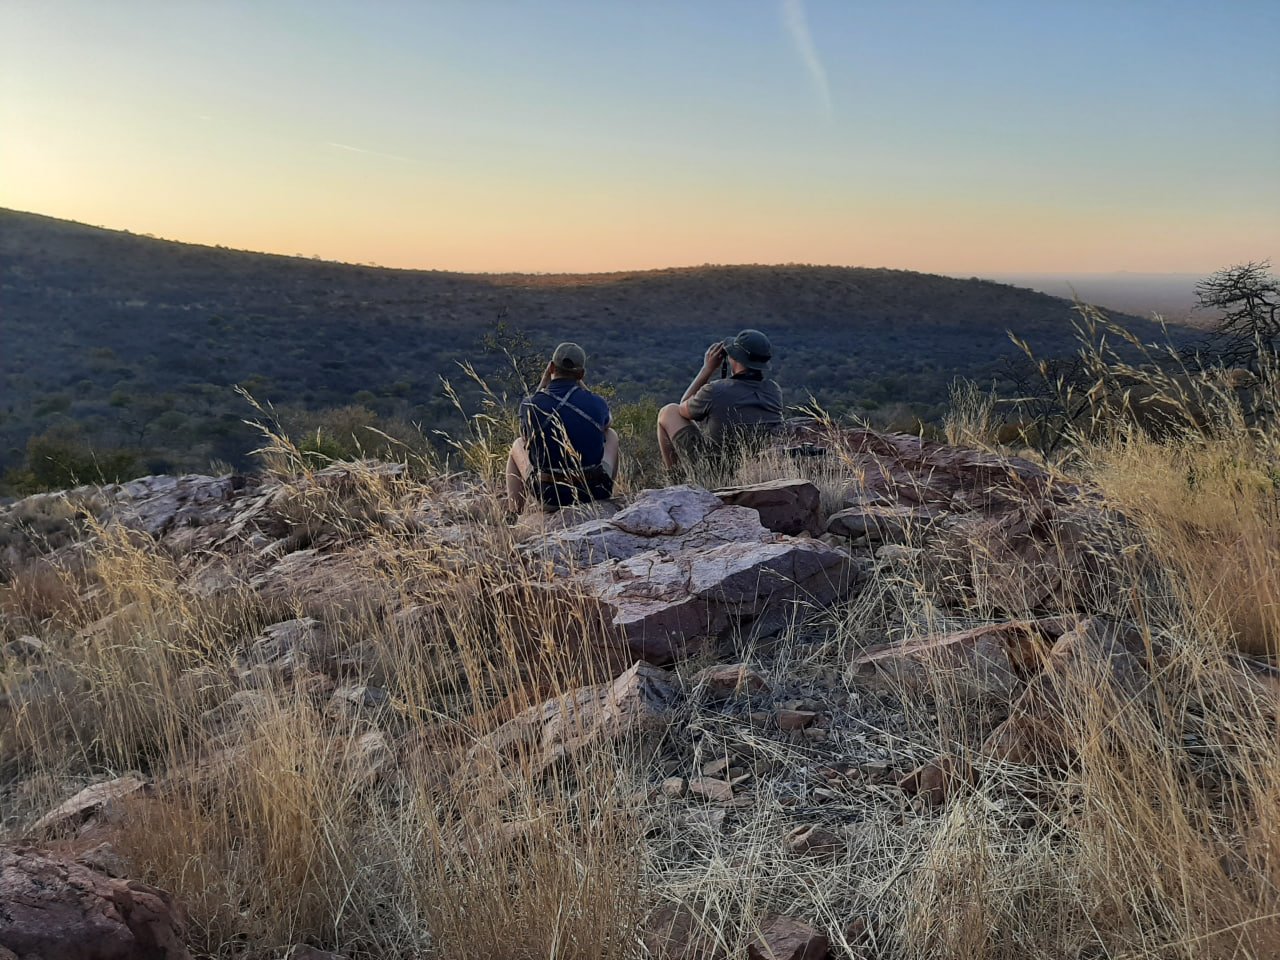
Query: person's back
x=742, y=404
x=567, y=452
x=564, y=424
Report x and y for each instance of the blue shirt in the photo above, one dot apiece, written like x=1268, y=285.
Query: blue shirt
x=563, y=426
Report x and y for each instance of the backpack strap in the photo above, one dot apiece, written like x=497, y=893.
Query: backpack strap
x=564, y=401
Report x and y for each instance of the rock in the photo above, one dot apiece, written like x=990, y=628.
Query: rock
x=666, y=512
x=678, y=566
x=539, y=522
x=368, y=759
x=670, y=519
x=785, y=506
x=936, y=780
x=308, y=579
x=709, y=788
x=672, y=931
x=629, y=708
x=673, y=788
x=358, y=702
x=794, y=719
x=241, y=711
x=282, y=648
x=992, y=660
x=1092, y=680
x=101, y=800
x=156, y=505
x=882, y=522
x=25, y=648
x=53, y=907
x=900, y=469
x=730, y=680
x=812, y=840
x=661, y=601
x=782, y=938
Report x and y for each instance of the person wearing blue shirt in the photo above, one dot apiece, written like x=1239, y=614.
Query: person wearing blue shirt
x=567, y=452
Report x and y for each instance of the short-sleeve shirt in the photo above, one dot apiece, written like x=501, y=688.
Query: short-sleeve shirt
x=563, y=426
x=736, y=401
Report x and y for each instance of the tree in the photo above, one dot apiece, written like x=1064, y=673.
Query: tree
x=1248, y=296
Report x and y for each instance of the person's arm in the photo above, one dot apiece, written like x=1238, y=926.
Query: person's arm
x=710, y=364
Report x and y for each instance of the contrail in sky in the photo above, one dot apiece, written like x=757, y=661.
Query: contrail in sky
x=797, y=23
x=372, y=153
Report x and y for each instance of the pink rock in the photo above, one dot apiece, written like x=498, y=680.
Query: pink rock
x=785, y=506
x=633, y=705
x=58, y=908
x=673, y=931
x=881, y=522
x=782, y=938
x=98, y=799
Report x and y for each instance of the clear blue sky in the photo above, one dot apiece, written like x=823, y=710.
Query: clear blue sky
x=950, y=137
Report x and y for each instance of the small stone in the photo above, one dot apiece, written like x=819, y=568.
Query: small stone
x=716, y=768
x=782, y=938
x=354, y=701
x=729, y=680
x=813, y=841
x=936, y=780
x=760, y=719
x=715, y=790
x=795, y=719
x=674, y=932
x=674, y=787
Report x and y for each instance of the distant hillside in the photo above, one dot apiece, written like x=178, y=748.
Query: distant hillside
x=137, y=342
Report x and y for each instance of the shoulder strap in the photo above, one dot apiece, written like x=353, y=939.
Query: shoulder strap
x=565, y=402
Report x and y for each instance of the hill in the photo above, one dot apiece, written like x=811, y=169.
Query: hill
x=122, y=341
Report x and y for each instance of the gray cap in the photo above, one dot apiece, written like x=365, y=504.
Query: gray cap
x=569, y=358
x=751, y=348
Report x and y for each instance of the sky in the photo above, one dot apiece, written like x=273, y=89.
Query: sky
x=951, y=137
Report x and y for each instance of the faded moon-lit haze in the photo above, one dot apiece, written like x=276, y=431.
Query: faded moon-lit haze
x=949, y=137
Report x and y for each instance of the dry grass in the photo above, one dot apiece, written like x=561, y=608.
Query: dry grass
x=1153, y=838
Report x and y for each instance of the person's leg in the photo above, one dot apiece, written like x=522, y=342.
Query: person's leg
x=670, y=422
x=517, y=471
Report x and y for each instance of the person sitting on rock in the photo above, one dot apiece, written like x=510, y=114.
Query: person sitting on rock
x=566, y=452
x=711, y=414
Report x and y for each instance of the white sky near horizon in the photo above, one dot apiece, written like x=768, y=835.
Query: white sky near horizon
x=963, y=138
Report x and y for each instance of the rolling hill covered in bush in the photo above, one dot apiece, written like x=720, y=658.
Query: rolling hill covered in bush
x=119, y=344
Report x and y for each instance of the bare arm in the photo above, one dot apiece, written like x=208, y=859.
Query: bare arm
x=710, y=363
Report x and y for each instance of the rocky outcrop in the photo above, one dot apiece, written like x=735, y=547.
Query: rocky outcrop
x=56, y=909
x=679, y=565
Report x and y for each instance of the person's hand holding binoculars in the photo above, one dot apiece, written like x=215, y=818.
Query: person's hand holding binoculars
x=714, y=357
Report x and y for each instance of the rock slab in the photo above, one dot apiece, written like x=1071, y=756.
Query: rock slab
x=56, y=909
